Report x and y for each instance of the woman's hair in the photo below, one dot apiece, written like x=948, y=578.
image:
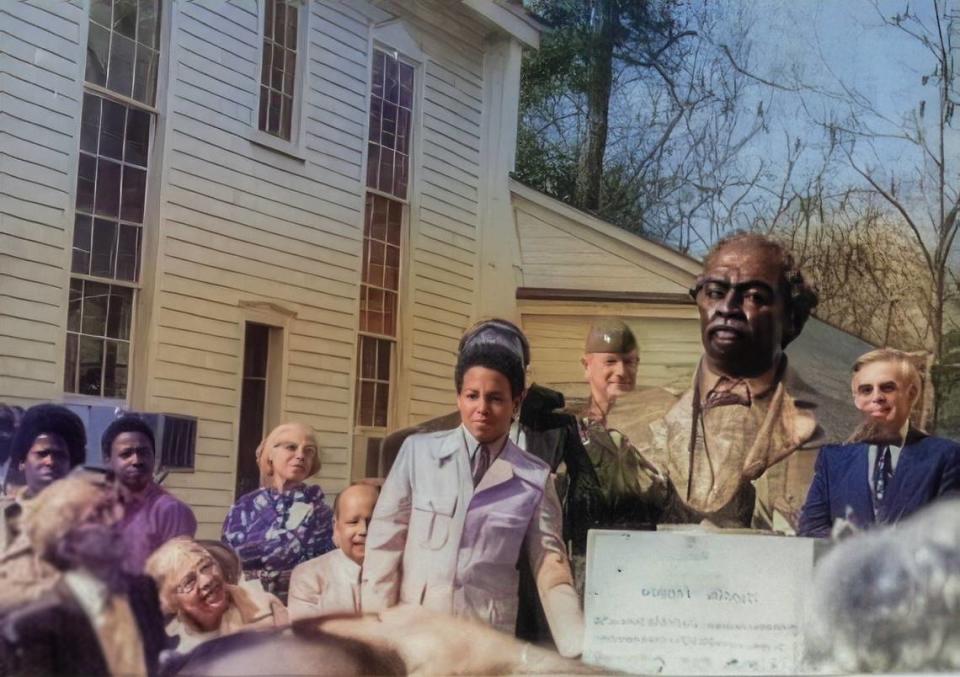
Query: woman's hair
x=263, y=452
x=496, y=357
x=166, y=562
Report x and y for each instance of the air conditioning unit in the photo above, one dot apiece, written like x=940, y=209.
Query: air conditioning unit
x=175, y=435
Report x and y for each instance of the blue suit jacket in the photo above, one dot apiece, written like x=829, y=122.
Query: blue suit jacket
x=928, y=468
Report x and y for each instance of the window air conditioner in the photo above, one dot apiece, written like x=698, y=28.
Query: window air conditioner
x=175, y=435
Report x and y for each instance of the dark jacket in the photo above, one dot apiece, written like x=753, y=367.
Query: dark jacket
x=53, y=635
x=928, y=467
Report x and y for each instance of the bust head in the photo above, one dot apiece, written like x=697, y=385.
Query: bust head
x=753, y=302
x=288, y=456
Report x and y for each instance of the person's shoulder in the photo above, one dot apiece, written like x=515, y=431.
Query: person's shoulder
x=525, y=465
x=316, y=565
x=942, y=444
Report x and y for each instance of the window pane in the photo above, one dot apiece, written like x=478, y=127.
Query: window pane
x=128, y=253
x=268, y=23
x=276, y=79
x=399, y=187
x=391, y=85
x=406, y=85
x=386, y=170
x=98, y=49
x=394, y=222
x=82, y=232
x=145, y=75
x=377, y=210
x=366, y=393
x=381, y=405
x=403, y=131
x=279, y=20
x=148, y=27
x=120, y=312
x=95, y=308
x=392, y=269
x=389, y=313
x=120, y=74
x=273, y=122
x=137, y=137
x=101, y=10
x=90, y=123
x=70, y=364
x=134, y=192
x=111, y=129
x=376, y=124
x=368, y=357
x=383, y=359
x=373, y=164
x=265, y=67
x=289, y=70
x=388, y=132
x=75, y=305
x=104, y=245
x=125, y=18
x=378, y=256
x=86, y=178
x=264, y=107
x=91, y=365
x=108, y=188
x=115, y=369
x=286, y=117
x=291, y=39
x=376, y=80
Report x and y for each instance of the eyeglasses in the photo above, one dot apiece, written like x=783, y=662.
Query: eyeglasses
x=189, y=582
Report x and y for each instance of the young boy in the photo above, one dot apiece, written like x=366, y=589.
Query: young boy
x=459, y=506
x=330, y=583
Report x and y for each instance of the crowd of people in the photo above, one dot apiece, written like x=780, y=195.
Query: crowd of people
x=478, y=532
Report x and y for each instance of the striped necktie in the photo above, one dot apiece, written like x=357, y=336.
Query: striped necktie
x=481, y=462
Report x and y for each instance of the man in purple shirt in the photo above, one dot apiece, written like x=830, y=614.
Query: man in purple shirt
x=152, y=515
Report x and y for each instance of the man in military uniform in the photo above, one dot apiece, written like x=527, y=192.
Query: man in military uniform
x=729, y=445
x=611, y=486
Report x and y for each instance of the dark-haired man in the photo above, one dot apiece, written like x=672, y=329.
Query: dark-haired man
x=728, y=445
x=48, y=443
x=152, y=515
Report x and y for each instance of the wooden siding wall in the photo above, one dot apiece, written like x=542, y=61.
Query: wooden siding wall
x=668, y=338
x=559, y=252
x=444, y=213
x=243, y=223
x=41, y=63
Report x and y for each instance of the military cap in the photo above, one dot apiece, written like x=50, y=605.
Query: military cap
x=608, y=335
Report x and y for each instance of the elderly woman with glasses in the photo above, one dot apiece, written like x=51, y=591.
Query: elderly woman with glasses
x=285, y=522
x=199, y=602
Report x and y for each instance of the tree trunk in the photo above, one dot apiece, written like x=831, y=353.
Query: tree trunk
x=604, y=19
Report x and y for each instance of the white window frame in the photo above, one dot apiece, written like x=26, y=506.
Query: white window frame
x=295, y=147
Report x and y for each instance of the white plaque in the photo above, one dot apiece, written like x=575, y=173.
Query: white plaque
x=682, y=603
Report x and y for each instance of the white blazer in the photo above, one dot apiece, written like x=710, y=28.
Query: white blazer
x=437, y=542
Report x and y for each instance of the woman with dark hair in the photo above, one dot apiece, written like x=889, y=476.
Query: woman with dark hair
x=47, y=444
x=460, y=506
x=285, y=522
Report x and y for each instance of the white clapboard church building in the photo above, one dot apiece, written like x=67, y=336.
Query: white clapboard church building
x=239, y=212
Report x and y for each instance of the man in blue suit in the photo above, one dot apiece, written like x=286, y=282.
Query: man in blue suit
x=889, y=469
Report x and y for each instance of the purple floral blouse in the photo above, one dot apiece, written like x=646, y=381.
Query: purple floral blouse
x=273, y=532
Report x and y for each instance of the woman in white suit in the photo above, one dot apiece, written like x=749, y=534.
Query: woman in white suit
x=460, y=506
